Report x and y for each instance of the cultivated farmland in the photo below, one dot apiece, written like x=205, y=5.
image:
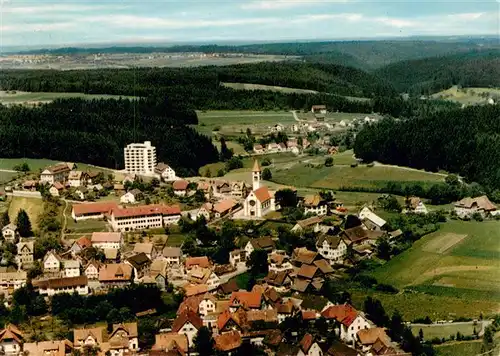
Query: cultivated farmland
x=461, y=260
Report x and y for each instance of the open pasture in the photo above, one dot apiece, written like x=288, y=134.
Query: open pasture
x=469, y=96
x=33, y=98
x=32, y=206
x=461, y=260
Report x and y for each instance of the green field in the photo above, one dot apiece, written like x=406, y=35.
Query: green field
x=7, y=176
x=32, y=98
x=465, y=348
x=236, y=122
x=175, y=240
x=84, y=226
x=246, y=86
x=445, y=330
x=469, y=96
x=32, y=206
x=336, y=116
x=344, y=158
x=342, y=176
x=461, y=260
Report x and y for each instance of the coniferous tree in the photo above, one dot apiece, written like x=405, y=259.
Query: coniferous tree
x=23, y=224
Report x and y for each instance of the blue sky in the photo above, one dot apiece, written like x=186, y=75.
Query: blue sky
x=66, y=22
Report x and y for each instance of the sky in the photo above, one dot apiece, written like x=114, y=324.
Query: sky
x=67, y=22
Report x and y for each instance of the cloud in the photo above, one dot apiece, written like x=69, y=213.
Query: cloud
x=54, y=8
x=285, y=4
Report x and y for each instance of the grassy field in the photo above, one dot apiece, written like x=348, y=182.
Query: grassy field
x=461, y=260
x=175, y=240
x=469, y=96
x=7, y=176
x=32, y=206
x=236, y=122
x=344, y=158
x=445, y=330
x=246, y=86
x=465, y=348
x=342, y=176
x=235, y=146
x=84, y=226
x=31, y=98
x=336, y=116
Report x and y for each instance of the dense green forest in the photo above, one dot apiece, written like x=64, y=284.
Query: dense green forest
x=96, y=132
x=464, y=141
x=328, y=78
x=430, y=75
x=360, y=54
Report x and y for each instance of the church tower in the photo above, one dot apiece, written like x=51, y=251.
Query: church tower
x=256, y=175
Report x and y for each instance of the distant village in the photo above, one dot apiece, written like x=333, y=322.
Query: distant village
x=212, y=298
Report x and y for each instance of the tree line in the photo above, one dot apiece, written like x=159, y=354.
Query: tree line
x=464, y=141
x=96, y=132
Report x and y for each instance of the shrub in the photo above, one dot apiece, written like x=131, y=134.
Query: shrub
x=386, y=288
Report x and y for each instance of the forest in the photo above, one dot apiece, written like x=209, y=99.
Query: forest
x=463, y=141
x=359, y=54
x=431, y=75
x=95, y=132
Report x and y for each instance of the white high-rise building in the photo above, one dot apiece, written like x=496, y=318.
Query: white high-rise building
x=140, y=158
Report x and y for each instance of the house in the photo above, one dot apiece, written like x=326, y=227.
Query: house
x=224, y=207
x=414, y=205
x=273, y=147
x=9, y=232
x=115, y=275
x=238, y=189
x=309, y=347
x=258, y=149
x=375, y=341
x=30, y=185
x=122, y=340
x=204, y=276
x=312, y=223
x=333, y=248
x=207, y=304
x=308, y=272
x=340, y=349
x=144, y=217
x=148, y=248
x=165, y=172
x=188, y=323
x=222, y=188
x=172, y=255
x=131, y=197
x=279, y=262
x=10, y=281
x=192, y=262
x=92, y=210
x=314, y=204
x=51, y=262
x=11, y=340
x=228, y=342
x=70, y=285
x=140, y=263
x=91, y=337
x=358, y=235
x=318, y=109
x=260, y=243
x=375, y=221
x=281, y=280
x=25, y=250
x=91, y=270
x=225, y=289
x=301, y=255
x=236, y=257
x=76, y=179
x=277, y=128
x=348, y=321
x=71, y=268
x=206, y=210
x=49, y=348
x=119, y=189
x=207, y=189
x=466, y=207
x=57, y=173
x=286, y=309
x=81, y=244
x=56, y=189
x=80, y=192
x=180, y=187
x=105, y=240
x=246, y=300
x=171, y=344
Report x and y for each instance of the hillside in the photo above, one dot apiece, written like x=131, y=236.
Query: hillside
x=464, y=141
x=430, y=75
x=361, y=54
x=469, y=96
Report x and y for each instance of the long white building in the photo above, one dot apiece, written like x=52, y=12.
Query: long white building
x=144, y=217
x=140, y=158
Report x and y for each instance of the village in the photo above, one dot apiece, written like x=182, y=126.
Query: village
x=102, y=261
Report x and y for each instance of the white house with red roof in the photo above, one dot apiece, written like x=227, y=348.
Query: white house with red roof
x=260, y=201
x=105, y=240
x=349, y=321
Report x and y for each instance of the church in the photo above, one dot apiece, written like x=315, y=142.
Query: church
x=260, y=201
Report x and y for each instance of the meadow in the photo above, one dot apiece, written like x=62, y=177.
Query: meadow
x=337, y=177
x=246, y=86
x=33, y=98
x=32, y=206
x=465, y=348
x=461, y=260
x=445, y=330
x=469, y=96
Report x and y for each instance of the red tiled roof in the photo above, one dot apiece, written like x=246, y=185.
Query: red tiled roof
x=228, y=341
x=106, y=237
x=146, y=210
x=180, y=185
x=93, y=208
x=84, y=242
x=225, y=205
x=307, y=271
x=197, y=261
x=344, y=314
x=246, y=299
x=308, y=315
x=306, y=343
x=262, y=194
x=187, y=316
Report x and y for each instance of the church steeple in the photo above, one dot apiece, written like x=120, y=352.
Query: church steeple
x=256, y=175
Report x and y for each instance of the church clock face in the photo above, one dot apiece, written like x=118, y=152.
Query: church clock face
x=252, y=202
